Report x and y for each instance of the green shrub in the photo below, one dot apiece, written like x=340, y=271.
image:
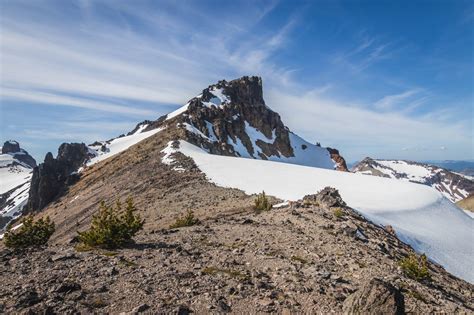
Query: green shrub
x=186, y=220
x=262, y=203
x=338, y=212
x=415, y=267
x=299, y=259
x=30, y=234
x=112, y=227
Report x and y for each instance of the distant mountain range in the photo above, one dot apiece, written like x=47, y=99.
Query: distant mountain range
x=463, y=167
x=452, y=185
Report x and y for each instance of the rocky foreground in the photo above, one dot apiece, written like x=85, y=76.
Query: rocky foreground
x=315, y=256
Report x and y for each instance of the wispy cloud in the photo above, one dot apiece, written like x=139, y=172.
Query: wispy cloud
x=388, y=102
x=359, y=129
x=367, y=51
x=109, y=63
x=7, y=94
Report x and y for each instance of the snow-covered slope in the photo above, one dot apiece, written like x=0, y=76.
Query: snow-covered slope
x=103, y=150
x=453, y=186
x=16, y=168
x=420, y=215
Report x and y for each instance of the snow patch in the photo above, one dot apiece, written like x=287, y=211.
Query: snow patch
x=414, y=172
x=140, y=129
x=119, y=145
x=177, y=112
x=167, y=159
x=194, y=130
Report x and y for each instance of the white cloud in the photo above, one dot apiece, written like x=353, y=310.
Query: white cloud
x=45, y=58
x=360, y=130
x=60, y=100
x=388, y=102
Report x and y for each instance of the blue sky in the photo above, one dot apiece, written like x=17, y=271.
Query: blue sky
x=386, y=79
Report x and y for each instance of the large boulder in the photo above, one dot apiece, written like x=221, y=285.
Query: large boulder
x=375, y=297
x=327, y=198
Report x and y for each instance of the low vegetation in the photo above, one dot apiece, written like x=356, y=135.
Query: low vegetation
x=187, y=220
x=415, y=267
x=112, y=227
x=231, y=273
x=262, y=203
x=299, y=259
x=338, y=212
x=30, y=233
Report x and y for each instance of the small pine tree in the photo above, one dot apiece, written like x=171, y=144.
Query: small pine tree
x=30, y=234
x=262, y=203
x=188, y=220
x=415, y=267
x=112, y=227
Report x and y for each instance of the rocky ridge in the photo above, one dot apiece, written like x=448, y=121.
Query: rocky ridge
x=453, y=186
x=292, y=259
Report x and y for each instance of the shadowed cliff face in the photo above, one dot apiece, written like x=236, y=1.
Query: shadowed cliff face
x=52, y=176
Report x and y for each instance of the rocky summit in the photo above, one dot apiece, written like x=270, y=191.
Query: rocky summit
x=231, y=118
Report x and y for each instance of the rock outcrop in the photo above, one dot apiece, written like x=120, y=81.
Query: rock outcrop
x=338, y=159
x=375, y=297
x=327, y=198
x=52, y=176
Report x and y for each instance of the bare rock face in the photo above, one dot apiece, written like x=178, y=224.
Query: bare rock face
x=246, y=108
x=375, y=297
x=52, y=176
x=72, y=155
x=326, y=198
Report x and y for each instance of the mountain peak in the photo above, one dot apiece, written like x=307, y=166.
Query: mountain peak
x=243, y=92
x=231, y=118
x=13, y=148
x=10, y=146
